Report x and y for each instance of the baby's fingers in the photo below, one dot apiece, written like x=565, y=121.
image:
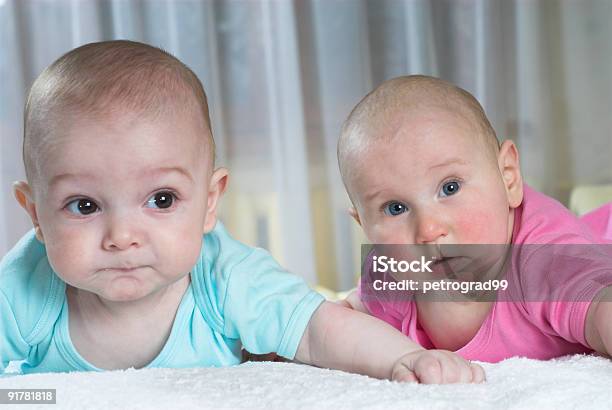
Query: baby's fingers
x=401, y=373
x=478, y=374
x=429, y=370
x=436, y=367
x=463, y=371
x=442, y=367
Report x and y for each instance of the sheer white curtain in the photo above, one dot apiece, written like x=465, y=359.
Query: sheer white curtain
x=282, y=75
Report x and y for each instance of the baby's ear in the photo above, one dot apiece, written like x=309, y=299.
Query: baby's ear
x=353, y=212
x=218, y=184
x=25, y=198
x=509, y=166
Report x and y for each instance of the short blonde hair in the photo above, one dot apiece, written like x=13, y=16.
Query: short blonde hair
x=378, y=109
x=107, y=77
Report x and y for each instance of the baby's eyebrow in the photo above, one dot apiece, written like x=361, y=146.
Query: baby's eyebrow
x=169, y=170
x=448, y=162
x=146, y=172
x=62, y=177
x=372, y=195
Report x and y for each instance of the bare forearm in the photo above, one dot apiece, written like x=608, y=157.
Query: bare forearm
x=345, y=339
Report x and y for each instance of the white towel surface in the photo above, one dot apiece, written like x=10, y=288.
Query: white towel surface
x=569, y=382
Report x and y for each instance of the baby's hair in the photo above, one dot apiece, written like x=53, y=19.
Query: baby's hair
x=101, y=79
x=378, y=112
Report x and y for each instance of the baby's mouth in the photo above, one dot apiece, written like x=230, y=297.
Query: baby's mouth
x=443, y=260
x=446, y=266
x=122, y=269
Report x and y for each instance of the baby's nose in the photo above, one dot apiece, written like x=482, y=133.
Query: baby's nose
x=122, y=232
x=430, y=229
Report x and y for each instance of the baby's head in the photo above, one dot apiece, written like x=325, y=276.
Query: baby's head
x=119, y=159
x=422, y=165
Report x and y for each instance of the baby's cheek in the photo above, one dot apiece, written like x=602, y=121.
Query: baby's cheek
x=69, y=256
x=470, y=227
x=479, y=227
x=389, y=231
x=181, y=251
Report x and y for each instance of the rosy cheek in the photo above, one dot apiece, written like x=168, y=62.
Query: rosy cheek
x=478, y=226
x=469, y=227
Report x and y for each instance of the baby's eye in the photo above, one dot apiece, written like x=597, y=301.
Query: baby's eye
x=450, y=188
x=161, y=200
x=82, y=206
x=394, y=208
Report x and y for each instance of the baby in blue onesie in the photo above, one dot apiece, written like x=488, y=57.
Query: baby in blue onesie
x=127, y=265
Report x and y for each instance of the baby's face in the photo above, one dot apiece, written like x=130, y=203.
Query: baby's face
x=434, y=182
x=122, y=203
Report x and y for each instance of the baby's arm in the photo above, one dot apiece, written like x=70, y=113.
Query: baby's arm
x=12, y=345
x=345, y=339
x=598, y=328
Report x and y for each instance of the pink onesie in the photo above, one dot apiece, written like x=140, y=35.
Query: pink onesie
x=531, y=327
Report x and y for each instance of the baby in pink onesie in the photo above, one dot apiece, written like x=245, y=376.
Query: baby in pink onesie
x=422, y=165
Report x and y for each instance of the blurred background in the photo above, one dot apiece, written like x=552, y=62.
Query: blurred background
x=282, y=75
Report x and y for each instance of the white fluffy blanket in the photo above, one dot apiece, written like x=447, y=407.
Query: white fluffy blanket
x=570, y=382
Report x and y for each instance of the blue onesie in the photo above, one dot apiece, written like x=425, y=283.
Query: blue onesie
x=238, y=296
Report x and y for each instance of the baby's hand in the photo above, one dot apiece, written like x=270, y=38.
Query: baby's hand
x=436, y=367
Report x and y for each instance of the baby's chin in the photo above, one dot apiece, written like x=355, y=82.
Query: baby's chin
x=125, y=289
